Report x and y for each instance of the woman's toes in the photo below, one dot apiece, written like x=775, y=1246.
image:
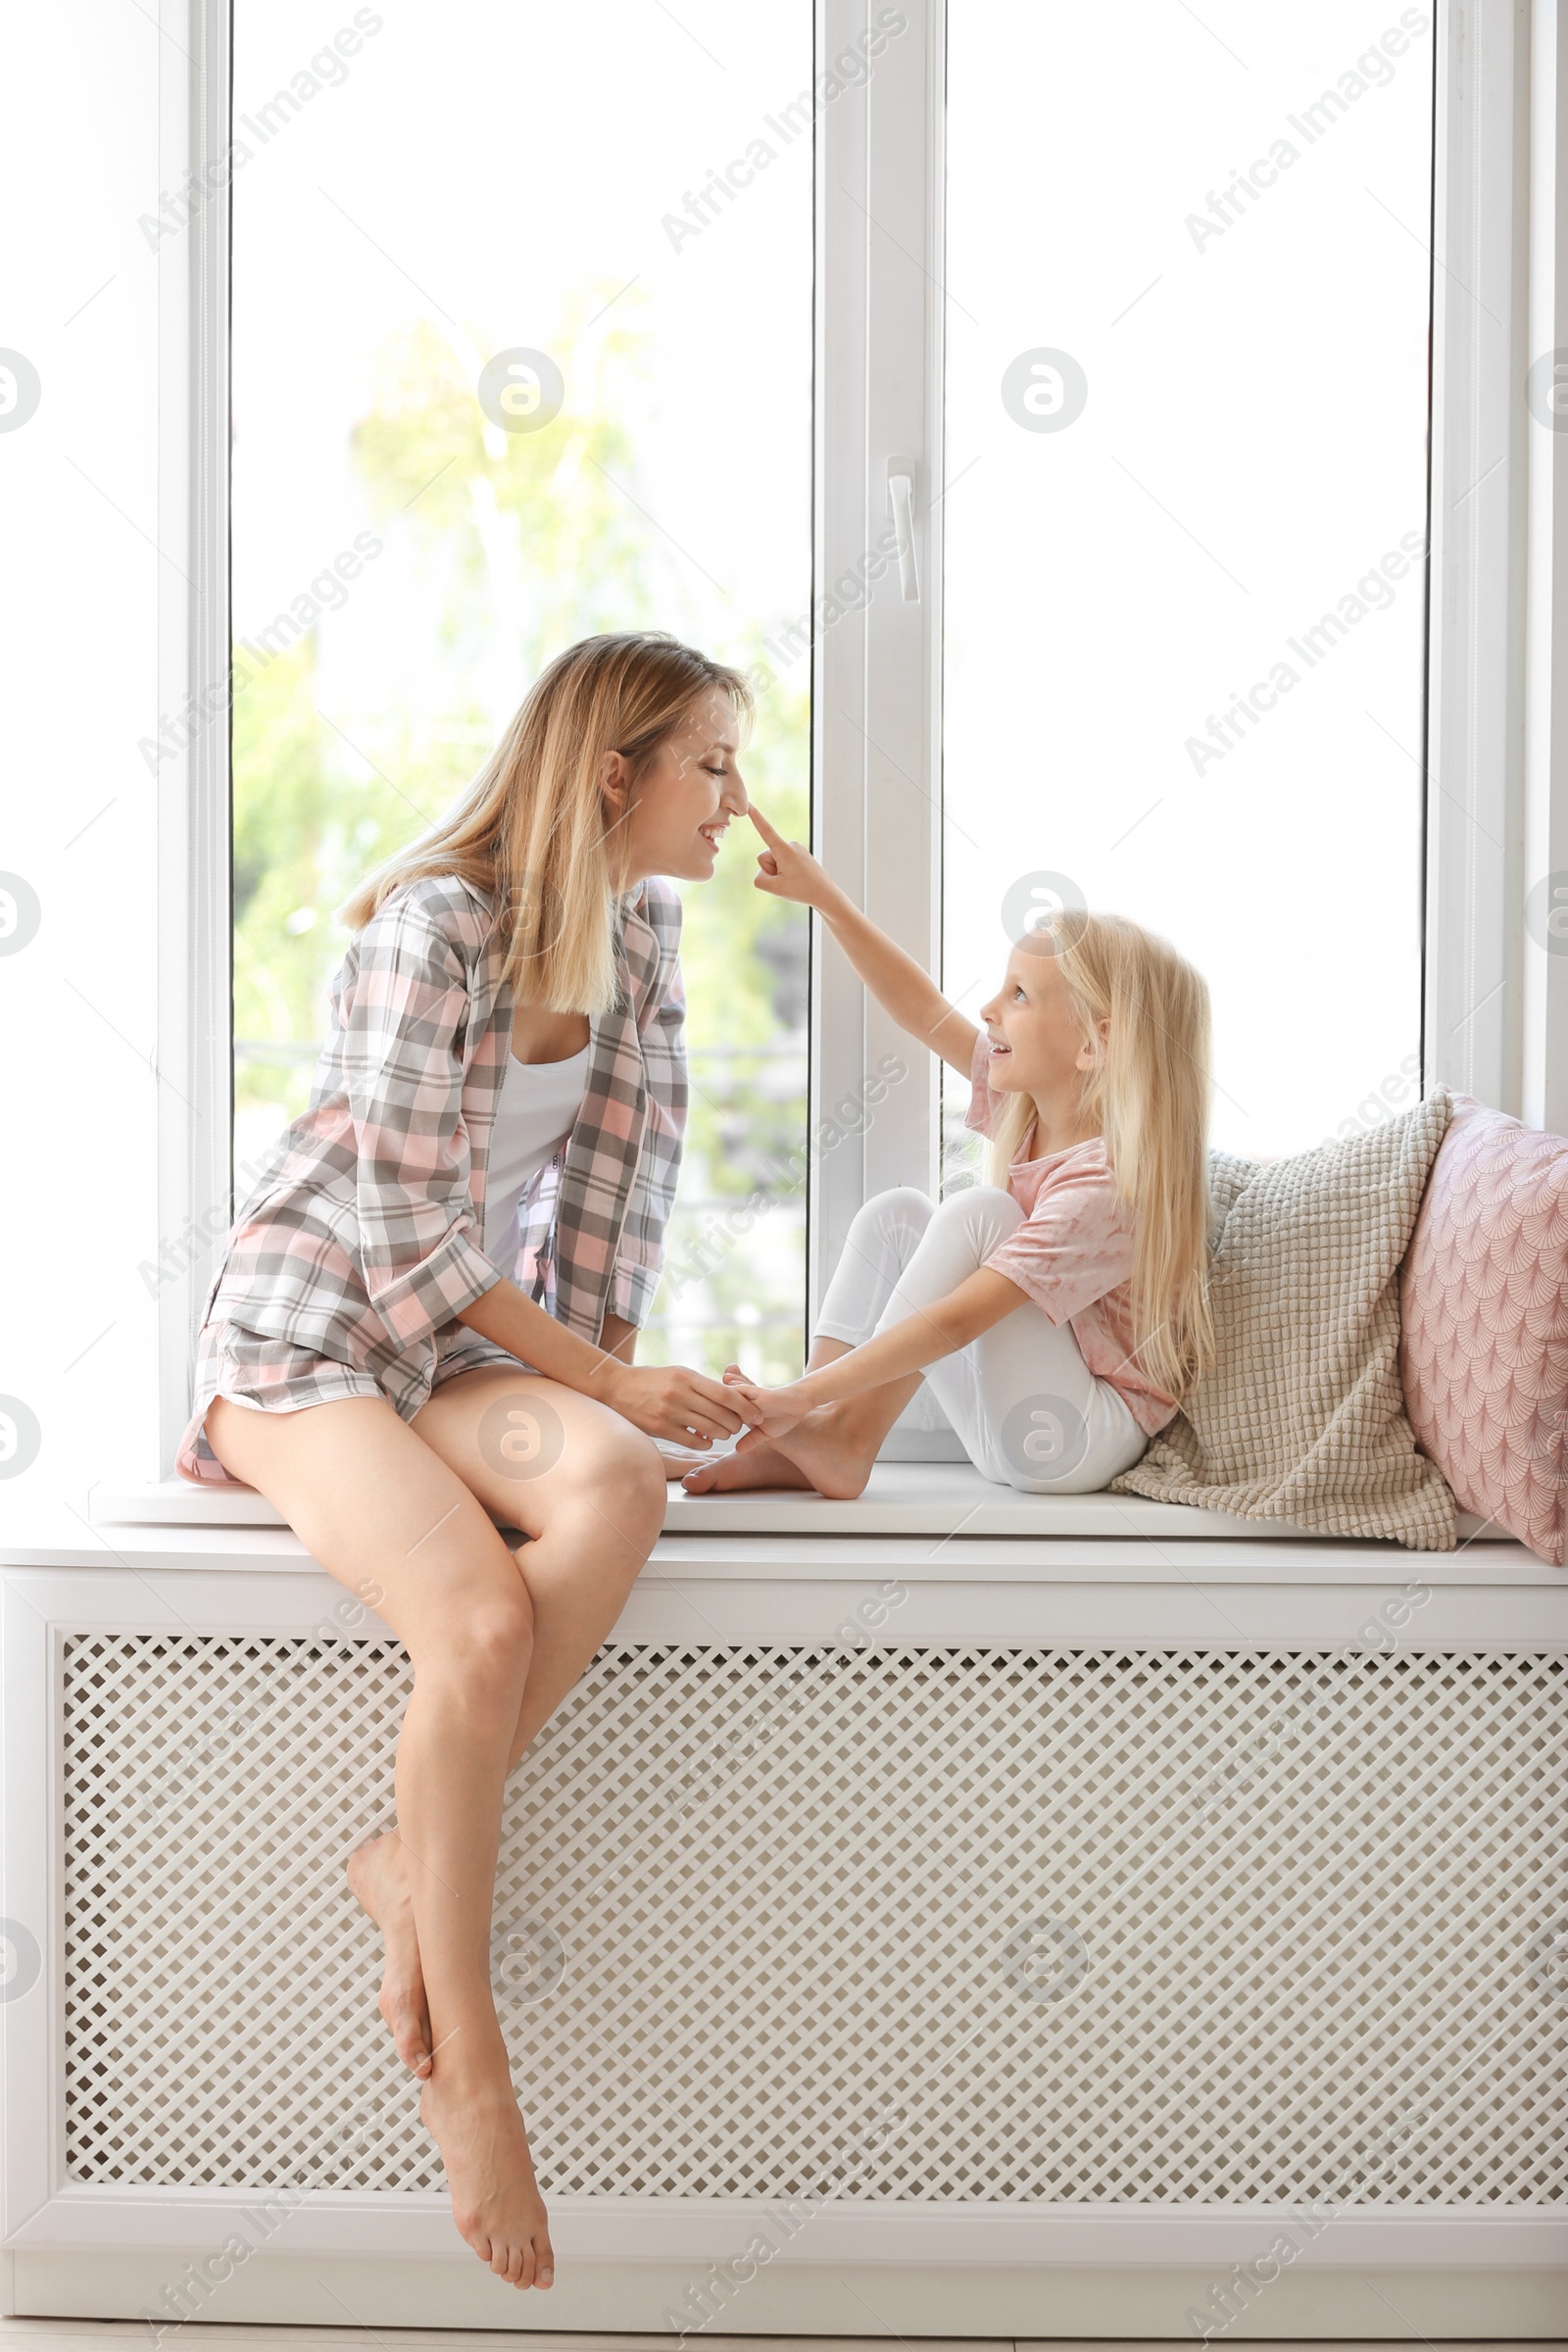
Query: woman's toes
x=495, y=2198
x=544, y=2272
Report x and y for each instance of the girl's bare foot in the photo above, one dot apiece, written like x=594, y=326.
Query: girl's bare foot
x=377, y=1875
x=495, y=2198
x=756, y=1462
x=830, y=1450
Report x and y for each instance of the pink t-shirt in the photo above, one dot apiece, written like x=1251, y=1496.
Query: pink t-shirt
x=1073, y=1254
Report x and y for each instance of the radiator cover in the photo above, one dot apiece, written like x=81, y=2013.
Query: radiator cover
x=971, y=1925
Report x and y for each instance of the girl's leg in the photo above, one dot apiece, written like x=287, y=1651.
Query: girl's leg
x=928, y=1256
x=1031, y=1413
x=1027, y=1408
x=881, y=1243
x=379, y=1509
x=882, y=1239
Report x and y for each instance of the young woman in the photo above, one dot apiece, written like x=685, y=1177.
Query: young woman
x=1060, y=1311
x=498, y=1111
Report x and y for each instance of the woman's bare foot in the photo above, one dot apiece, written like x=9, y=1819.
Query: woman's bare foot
x=377, y=1875
x=495, y=2199
x=756, y=1462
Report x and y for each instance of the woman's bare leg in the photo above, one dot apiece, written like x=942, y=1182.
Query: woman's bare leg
x=379, y=1509
x=592, y=1522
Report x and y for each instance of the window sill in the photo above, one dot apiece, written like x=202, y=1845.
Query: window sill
x=931, y=1555
x=904, y=1498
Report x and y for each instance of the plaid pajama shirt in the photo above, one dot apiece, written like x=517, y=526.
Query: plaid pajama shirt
x=345, y=1270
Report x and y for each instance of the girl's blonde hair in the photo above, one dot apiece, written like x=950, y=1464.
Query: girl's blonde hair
x=1147, y=1093
x=532, y=828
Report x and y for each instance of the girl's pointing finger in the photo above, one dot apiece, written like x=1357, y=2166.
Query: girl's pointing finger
x=775, y=841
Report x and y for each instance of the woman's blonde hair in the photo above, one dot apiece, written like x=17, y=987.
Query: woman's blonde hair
x=1147, y=1093
x=532, y=829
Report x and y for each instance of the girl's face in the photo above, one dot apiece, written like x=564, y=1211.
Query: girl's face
x=683, y=801
x=1037, y=1044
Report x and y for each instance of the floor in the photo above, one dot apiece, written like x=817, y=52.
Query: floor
x=98, y=2336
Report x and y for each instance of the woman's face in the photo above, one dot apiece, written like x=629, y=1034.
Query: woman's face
x=683, y=801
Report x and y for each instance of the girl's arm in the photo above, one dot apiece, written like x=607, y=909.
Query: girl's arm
x=786, y=870
x=938, y=1330
x=667, y=1401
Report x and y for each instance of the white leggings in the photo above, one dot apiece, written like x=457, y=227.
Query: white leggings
x=1027, y=1409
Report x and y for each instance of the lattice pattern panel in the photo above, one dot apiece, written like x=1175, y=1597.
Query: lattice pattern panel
x=914, y=1923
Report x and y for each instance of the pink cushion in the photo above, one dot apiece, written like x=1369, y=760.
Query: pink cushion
x=1483, y=1316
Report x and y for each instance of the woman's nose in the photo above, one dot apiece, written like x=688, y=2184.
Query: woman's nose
x=733, y=796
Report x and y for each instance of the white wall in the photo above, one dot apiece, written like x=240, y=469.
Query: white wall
x=79, y=486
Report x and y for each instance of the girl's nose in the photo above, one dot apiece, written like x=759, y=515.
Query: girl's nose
x=733, y=795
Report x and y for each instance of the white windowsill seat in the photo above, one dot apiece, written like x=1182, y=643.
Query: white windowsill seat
x=932, y=1553
x=904, y=1498
x=940, y=1523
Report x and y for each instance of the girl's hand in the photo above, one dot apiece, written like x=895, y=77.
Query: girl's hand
x=786, y=869
x=774, y=1411
x=669, y=1400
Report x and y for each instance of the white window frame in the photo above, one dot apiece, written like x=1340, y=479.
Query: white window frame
x=195, y=1109
x=1496, y=1015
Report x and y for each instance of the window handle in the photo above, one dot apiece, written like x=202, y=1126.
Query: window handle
x=900, y=506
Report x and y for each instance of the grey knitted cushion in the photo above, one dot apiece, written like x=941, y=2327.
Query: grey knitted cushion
x=1301, y=1415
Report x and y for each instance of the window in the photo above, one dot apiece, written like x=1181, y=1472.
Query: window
x=522, y=351
x=1143, y=301
x=1187, y=308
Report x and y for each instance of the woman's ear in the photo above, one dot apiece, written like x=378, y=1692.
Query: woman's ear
x=614, y=779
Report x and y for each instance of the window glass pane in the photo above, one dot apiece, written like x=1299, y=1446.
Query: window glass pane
x=1187, y=306
x=416, y=193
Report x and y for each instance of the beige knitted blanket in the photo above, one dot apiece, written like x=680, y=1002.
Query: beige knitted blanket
x=1301, y=1416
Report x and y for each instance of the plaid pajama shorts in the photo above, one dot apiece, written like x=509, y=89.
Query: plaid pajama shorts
x=277, y=1376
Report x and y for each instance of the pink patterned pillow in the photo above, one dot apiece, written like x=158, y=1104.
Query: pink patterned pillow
x=1483, y=1316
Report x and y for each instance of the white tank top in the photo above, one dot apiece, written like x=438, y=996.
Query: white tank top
x=537, y=1111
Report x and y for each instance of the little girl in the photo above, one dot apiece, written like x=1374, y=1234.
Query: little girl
x=1060, y=1311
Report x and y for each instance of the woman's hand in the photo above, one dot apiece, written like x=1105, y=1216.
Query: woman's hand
x=669, y=1400
x=774, y=1411
x=786, y=869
